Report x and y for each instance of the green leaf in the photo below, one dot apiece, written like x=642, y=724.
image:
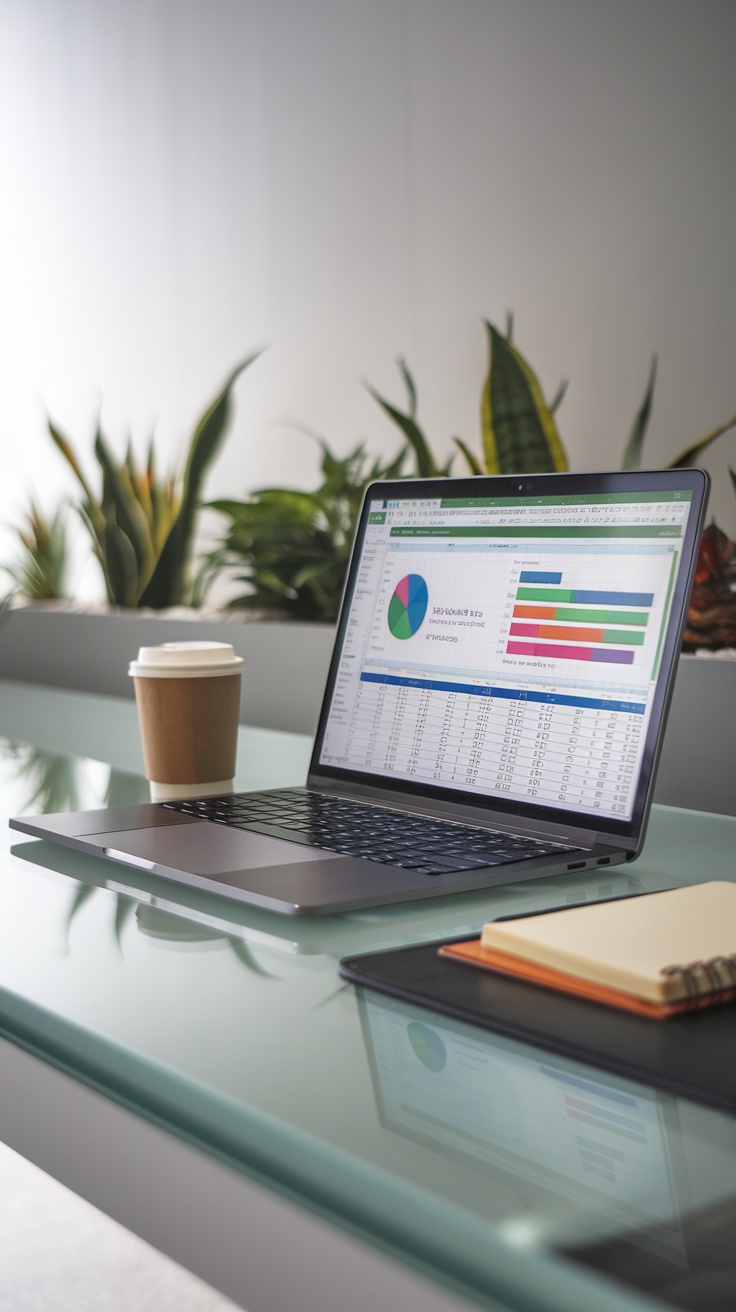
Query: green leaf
x=519, y=433
x=67, y=451
x=209, y=433
x=473, y=461
x=426, y=467
x=410, y=388
x=632, y=454
x=558, y=397
x=291, y=548
x=122, y=505
x=121, y=566
x=40, y=571
x=167, y=585
x=690, y=455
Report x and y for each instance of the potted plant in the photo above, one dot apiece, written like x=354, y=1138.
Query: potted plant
x=141, y=525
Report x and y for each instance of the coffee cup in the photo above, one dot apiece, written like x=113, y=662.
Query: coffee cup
x=188, y=697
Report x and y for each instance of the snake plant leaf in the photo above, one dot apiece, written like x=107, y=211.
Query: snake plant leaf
x=632, y=454
x=732, y=472
x=209, y=434
x=168, y=583
x=141, y=487
x=691, y=454
x=426, y=467
x=509, y=326
x=120, y=565
x=410, y=388
x=519, y=432
x=474, y=464
x=68, y=452
x=123, y=507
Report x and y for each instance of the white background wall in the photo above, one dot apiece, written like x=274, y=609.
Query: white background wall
x=350, y=180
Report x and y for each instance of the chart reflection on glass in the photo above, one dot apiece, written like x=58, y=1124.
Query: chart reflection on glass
x=587, y=1153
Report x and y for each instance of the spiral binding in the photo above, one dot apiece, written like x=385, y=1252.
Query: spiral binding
x=705, y=979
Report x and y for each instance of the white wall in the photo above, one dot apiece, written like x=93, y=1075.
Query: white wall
x=348, y=180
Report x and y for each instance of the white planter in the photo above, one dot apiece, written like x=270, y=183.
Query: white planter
x=698, y=765
x=286, y=669
x=285, y=663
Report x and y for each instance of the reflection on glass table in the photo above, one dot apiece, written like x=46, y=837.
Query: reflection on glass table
x=48, y=781
x=232, y=1023
x=584, y=1153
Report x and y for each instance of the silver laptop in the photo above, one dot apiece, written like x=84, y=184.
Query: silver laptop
x=494, y=710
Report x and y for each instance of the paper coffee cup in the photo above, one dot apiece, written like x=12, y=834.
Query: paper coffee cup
x=188, y=697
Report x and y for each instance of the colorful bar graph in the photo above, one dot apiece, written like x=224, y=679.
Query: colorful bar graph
x=586, y=597
x=559, y=651
x=637, y=617
x=573, y=633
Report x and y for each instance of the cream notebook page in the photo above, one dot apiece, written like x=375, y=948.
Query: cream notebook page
x=627, y=944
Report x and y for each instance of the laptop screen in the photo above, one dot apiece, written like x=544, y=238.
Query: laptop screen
x=508, y=646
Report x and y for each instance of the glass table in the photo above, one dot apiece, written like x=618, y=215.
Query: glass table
x=200, y=1071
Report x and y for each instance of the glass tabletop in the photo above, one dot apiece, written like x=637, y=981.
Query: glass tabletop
x=502, y=1167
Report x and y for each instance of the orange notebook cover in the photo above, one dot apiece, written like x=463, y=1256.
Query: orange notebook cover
x=474, y=954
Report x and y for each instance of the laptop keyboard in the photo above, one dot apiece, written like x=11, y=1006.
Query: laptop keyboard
x=397, y=838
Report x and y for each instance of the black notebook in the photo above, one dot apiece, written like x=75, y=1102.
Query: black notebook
x=692, y=1055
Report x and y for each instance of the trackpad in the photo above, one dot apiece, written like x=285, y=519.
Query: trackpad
x=203, y=848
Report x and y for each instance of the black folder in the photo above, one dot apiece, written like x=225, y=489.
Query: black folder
x=691, y=1055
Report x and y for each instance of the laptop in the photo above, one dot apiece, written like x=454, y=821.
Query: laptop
x=494, y=711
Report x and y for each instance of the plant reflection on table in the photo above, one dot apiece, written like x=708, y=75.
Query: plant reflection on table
x=53, y=782
x=56, y=782
x=63, y=783
x=165, y=928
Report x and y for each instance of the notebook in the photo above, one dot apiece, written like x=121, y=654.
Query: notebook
x=658, y=954
x=494, y=710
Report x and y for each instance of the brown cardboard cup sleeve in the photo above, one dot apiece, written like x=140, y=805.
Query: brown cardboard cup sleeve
x=188, y=698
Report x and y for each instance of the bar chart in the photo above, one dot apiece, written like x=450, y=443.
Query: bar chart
x=600, y=625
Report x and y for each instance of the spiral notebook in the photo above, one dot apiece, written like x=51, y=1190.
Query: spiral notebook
x=658, y=955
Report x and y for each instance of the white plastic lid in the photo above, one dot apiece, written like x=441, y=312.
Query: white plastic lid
x=176, y=660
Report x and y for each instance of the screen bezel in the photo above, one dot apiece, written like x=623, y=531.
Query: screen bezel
x=694, y=481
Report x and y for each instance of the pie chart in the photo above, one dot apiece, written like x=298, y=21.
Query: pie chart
x=408, y=606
